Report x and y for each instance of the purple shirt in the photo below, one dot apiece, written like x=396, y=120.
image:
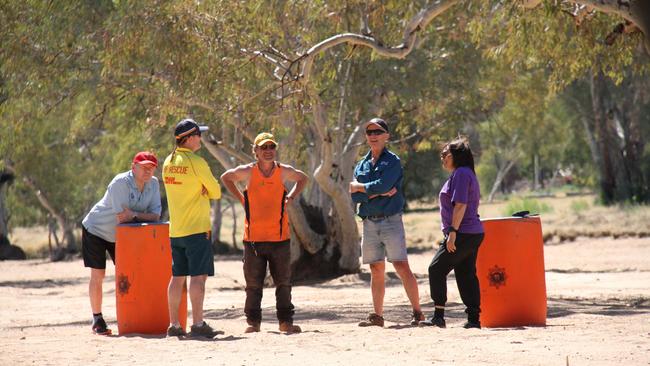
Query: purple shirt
x=461, y=187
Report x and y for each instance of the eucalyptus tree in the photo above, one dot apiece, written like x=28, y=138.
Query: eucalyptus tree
x=598, y=41
x=48, y=68
x=102, y=78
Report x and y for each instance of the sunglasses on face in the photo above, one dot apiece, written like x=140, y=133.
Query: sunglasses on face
x=268, y=147
x=375, y=132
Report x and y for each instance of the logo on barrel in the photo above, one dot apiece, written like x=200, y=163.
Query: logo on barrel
x=123, y=284
x=497, y=276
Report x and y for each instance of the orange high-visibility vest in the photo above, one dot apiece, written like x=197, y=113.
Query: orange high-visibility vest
x=266, y=217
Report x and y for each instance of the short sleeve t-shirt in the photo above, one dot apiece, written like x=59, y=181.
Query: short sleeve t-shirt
x=461, y=187
x=121, y=192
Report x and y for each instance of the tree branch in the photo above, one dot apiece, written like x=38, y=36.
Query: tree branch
x=637, y=12
x=42, y=199
x=416, y=24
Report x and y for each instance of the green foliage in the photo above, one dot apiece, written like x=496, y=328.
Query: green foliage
x=532, y=205
x=85, y=85
x=579, y=206
x=486, y=171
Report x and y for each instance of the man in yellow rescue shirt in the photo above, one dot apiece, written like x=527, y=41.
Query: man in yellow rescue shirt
x=190, y=185
x=266, y=229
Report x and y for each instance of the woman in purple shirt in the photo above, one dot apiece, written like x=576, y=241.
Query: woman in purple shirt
x=463, y=231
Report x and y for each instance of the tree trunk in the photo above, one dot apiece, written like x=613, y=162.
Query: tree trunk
x=216, y=221
x=68, y=243
x=5, y=180
x=617, y=124
x=501, y=174
x=7, y=250
x=604, y=134
x=630, y=115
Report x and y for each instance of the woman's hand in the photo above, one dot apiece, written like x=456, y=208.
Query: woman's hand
x=451, y=242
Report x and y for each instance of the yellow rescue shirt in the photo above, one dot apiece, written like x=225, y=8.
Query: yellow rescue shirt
x=187, y=178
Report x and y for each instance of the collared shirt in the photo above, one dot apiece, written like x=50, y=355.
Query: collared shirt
x=121, y=192
x=379, y=178
x=190, y=185
x=461, y=187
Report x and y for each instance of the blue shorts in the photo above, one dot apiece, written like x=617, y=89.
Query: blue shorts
x=192, y=255
x=383, y=238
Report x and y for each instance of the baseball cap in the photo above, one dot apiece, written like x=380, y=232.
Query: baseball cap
x=145, y=157
x=188, y=127
x=263, y=138
x=378, y=122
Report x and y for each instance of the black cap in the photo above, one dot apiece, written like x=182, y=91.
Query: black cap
x=377, y=121
x=188, y=127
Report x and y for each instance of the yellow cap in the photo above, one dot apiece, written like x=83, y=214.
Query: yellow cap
x=263, y=138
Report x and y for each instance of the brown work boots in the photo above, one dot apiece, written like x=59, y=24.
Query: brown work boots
x=289, y=328
x=373, y=320
x=285, y=327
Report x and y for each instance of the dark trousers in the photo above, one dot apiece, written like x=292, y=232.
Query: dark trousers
x=463, y=262
x=278, y=256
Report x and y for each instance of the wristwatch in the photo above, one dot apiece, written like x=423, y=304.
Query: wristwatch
x=452, y=229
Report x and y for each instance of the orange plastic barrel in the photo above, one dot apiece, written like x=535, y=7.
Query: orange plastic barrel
x=510, y=269
x=143, y=268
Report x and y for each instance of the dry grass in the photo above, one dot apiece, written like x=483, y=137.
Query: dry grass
x=33, y=240
x=569, y=218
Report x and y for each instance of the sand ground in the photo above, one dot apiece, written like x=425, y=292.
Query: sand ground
x=598, y=314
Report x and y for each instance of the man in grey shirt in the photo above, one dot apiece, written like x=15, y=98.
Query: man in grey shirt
x=132, y=196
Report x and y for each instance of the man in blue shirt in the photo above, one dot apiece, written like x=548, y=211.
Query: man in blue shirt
x=131, y=196
x=377, y=187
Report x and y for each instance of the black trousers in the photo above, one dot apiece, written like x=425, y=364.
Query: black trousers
x=463, y=262
x=278, y=257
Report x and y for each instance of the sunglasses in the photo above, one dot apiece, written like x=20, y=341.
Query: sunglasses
x=268, y=147
x=375, y=132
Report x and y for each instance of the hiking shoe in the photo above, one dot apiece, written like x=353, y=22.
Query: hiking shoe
x=100, y=327
x=471, y=324
x=417, y=317
x=203, y=330
x=434, y=322
x=253, y=328
x=288, y=327
x=373, y=320
x=175, y=331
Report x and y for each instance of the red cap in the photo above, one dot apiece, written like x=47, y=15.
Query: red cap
x=145, y=157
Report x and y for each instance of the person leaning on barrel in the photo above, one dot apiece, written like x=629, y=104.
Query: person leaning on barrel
x=463, y=234
x=132, y=196
x=377, y=187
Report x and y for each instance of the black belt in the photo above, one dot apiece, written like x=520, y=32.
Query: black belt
x=375, y=217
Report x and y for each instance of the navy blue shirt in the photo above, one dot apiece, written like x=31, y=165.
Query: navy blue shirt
x=377, y=179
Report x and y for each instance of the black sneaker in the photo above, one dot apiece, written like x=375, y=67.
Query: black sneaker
x=203, y=330
x=469, y=325
x=100, y=327
x=175, y=331
x=434, y=322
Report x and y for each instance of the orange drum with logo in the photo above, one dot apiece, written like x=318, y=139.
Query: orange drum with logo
x=143, y=268
x=510, y=270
